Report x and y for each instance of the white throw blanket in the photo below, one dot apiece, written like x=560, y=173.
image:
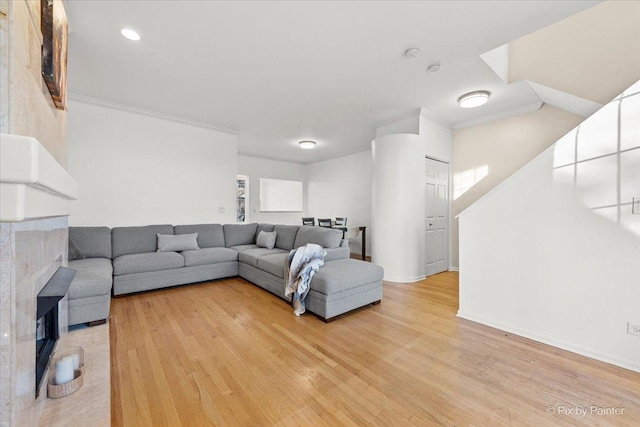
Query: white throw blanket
x=303, y=264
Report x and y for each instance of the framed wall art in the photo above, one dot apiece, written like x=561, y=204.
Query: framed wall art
x=53, y=22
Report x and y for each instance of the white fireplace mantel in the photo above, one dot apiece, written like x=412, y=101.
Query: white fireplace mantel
x=32, y=183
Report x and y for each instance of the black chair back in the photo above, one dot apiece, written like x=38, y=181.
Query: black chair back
x=324, y=222
x=341, y=221
x=308, y=221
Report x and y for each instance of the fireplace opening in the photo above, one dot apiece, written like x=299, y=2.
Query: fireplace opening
x=47, y=324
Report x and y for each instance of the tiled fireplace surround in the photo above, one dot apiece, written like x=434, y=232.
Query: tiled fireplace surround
x=35, y=196
x=30, y=252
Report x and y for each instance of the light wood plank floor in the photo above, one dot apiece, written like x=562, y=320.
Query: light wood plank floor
x=228, y=353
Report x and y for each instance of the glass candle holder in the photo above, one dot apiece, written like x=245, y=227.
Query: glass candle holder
x=64, y=364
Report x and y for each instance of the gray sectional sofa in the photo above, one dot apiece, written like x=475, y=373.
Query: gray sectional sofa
x=89, y=295
x=341, y=285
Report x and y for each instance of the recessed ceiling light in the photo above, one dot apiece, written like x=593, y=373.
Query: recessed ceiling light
x=412, y=53
x=307, y=145
x=474, y=99
x=130, y=34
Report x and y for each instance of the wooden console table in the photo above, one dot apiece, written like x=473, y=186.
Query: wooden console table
x=363, y=231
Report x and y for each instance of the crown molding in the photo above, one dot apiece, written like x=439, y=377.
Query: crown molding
x=406, y=115
x=419, y=111
x=530, y=108
x=428, y=114
x=109, y=104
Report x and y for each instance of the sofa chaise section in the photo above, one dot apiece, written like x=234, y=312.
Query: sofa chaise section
x=344, y=285
x=268, y=268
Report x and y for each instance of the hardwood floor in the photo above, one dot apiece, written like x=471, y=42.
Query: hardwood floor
x=228, y=353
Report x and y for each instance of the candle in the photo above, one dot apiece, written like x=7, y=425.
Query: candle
x=64, y=370
x=76, y=360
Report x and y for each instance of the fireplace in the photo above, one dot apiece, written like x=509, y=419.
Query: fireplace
x=35, y=200
x=47, y=326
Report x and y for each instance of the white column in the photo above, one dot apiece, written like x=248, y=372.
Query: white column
x=398, y=207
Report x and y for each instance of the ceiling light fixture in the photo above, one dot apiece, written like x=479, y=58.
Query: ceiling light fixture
x=130, y=34
x=433, y=68
x=307, y=145
x=412, y=53
x=474, y=99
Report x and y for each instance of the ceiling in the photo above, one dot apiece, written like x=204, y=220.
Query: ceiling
x=280, y=72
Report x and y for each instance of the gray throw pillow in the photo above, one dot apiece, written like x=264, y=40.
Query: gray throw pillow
x=177, y=242
x=266, y=239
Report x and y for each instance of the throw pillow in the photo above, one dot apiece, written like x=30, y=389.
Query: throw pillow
x=266, y=239
x=177, y=242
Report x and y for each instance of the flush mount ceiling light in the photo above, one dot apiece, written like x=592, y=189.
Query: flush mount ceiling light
x=307, y=145
x=474, y=99
x=130, y=34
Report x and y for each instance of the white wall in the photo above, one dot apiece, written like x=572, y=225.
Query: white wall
x=398, y=207
x=438, y=139
x=398, y=201
x=552, y=253
x=136, y=169
x=487, y=154
x=256, y=168
x=342, y=187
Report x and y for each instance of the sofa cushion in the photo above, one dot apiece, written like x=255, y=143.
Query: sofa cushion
x=241, y=248
x=325, y=237
x=342, y=274
x=209, y=235
x=146, y=262
x=286, y=236
x=209, y=256
x=179, y=243
x=137, y=240
x=89, y=242
x=251, y=256
x=273, y=264
x=337, y=253
x=266, y=239
x=93, y=278
x=239, y=234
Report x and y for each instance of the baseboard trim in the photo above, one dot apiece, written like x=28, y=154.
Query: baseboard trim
x=626, y=364
x=405, y=280
x=452, y=268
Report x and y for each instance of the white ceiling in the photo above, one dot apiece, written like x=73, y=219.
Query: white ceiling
x=280, y=72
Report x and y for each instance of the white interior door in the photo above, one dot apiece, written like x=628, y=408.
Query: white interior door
x=437, y=217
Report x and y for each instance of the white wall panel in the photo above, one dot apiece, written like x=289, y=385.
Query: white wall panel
x=552, y=254
x=398, y=207
x=135, y=169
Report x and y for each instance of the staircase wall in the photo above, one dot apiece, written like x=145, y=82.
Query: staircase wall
x=553, y=253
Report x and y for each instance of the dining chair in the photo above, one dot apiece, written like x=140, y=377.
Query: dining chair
x=308, y=220
x=324, y=222
x=341, y=221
